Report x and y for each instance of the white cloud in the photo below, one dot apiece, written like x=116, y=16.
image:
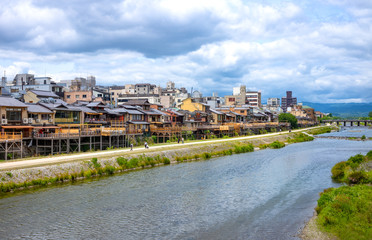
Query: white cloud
x=318, y=53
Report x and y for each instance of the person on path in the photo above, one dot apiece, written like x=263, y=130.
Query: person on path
x=178, y=141
x=131, y=146
x=146, y=146
x=183, y=141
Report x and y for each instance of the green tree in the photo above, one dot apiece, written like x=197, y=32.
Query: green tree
x=370, y=114
x=287, y=117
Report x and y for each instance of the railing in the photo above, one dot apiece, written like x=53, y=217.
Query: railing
x=64, y=120
x=117, y=123
x=165, y=129
x=192, y=129
x=134, y=131
x=10, y=136
x=209, y=126
x=55, y=135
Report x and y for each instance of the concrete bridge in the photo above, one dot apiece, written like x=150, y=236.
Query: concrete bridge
x=352, y=122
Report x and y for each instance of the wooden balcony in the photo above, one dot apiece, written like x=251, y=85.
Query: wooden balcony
x=155, y=129
x=10, y=136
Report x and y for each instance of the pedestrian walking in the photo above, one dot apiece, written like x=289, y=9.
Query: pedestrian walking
x=131, y=146
x=183, y=141
x=146, y=145
x=178, y=141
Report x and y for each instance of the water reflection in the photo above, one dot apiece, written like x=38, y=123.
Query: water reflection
x=267, y=194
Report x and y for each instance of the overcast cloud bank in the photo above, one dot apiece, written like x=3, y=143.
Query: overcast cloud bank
x=321, y=50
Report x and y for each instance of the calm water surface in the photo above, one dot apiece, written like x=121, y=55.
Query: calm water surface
x=352, y=132
x=268, y=194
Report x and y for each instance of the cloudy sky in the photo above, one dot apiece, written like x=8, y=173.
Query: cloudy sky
x=321, y=50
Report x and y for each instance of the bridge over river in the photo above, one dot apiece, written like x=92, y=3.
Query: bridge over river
x=353, y=122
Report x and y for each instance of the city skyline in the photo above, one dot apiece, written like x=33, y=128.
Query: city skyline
x=321, y=50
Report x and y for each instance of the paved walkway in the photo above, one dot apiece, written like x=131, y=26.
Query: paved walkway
x=81, y=156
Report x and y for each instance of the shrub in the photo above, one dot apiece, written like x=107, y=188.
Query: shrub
x=166, y=160
x=276, y=145
x=109, y=170
x=228, y=152
x=206, y=155
x=244, y=148
x=363, y=137
x=338, y=171
x=121, y=161
x=100, y=171
x=9, y=174
x=133, y=163
x=95, y=163
x=263, y=146
x=369, y=155
x=87, y=174
x=345, y=211
x=356, y=159
x=357, y=177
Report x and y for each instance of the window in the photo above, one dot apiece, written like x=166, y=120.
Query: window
x=84, y=96
x=231, y=99
x=241, y=111
x=14, y=114
x=33, y=116
x=68, y=96
x=99, y=95
x=77, y=96
x=136, y=117
x=44, y=116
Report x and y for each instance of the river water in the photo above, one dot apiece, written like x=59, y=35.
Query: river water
x=267, y=194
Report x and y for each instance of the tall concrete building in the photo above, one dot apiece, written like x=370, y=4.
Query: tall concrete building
x=24, y=79
x=253, y=98
x=243, y=97
x=273, y=102
x=288, y=101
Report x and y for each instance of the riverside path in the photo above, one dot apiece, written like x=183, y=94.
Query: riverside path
x=28, y=163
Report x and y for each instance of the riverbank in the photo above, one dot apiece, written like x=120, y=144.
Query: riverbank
x=344, y=212
x=311, y=231
x=26, y=174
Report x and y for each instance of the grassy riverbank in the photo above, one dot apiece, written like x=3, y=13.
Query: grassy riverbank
x=345, y=212
x=20, y=179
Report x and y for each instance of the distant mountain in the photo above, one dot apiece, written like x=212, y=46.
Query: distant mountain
x=342, y=109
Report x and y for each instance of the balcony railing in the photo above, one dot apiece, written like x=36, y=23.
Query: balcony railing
x=10, y=136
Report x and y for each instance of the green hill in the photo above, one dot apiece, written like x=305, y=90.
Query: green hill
x=345, y=110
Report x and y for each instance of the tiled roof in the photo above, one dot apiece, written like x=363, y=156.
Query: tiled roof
x=11, y=102
x=35, y=108
x=41, y=93
x=215, y=111
x=96, y=104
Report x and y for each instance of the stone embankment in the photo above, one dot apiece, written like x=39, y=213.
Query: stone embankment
x=33, y=175
x=25, y=177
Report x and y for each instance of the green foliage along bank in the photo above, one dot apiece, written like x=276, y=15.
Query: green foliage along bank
x=346, y=212
x=354, y=170
x=70, y=172
x=289, y=118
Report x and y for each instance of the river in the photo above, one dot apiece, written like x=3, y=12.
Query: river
x=267, y=194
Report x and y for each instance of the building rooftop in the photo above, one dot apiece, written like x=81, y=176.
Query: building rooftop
x=35, y=108
x=11, y=102
x=41, y=93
